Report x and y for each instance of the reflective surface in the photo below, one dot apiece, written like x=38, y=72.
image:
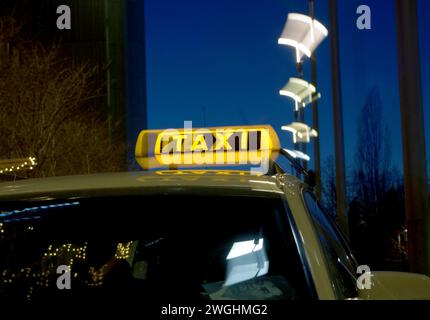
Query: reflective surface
x=137, y=248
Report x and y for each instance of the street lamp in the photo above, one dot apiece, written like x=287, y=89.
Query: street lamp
x=301, y=132
x=301, y=91
x=303, y=33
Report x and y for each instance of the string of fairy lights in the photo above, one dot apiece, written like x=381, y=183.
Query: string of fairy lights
x=16, y=165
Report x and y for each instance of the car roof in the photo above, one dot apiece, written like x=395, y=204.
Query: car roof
x=145, y=182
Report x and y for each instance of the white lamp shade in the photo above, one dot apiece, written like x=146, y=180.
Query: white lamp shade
x=303, y=33
x=300, y=91
x=301, y=132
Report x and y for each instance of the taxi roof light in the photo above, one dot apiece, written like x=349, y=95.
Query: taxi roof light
x=216, y=146
x=219, y=146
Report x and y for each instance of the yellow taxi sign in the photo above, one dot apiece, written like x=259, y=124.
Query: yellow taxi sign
x=214, y=146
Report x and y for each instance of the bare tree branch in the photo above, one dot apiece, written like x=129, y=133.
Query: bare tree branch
x=53, y=110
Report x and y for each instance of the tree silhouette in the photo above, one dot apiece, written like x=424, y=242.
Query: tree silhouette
x=376, y=212
x=372, y=172
x=53, y=109
x=329, y=184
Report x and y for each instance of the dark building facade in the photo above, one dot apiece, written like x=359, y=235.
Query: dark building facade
x=105, y=32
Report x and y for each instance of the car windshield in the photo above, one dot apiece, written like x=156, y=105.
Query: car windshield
x=158, y=247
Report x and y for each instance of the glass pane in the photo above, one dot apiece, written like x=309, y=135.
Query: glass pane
x=216, y=248
x=339, y=259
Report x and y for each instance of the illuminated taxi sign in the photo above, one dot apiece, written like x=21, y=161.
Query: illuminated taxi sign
x=207, y=146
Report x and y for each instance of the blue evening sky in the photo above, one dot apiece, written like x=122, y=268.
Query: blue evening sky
x=223, y=55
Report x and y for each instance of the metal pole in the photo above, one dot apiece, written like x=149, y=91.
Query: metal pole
x=297, y=113
x=301, y=116
x=413, y=137
x=338, y=123
x=315, y=122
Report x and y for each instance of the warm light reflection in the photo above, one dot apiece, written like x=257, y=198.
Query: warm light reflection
x=123, y=250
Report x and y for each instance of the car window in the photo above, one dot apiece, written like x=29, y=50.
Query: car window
x=340, y=261
x=160, y=247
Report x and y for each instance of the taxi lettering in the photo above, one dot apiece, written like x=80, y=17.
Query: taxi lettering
x=204, y=141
